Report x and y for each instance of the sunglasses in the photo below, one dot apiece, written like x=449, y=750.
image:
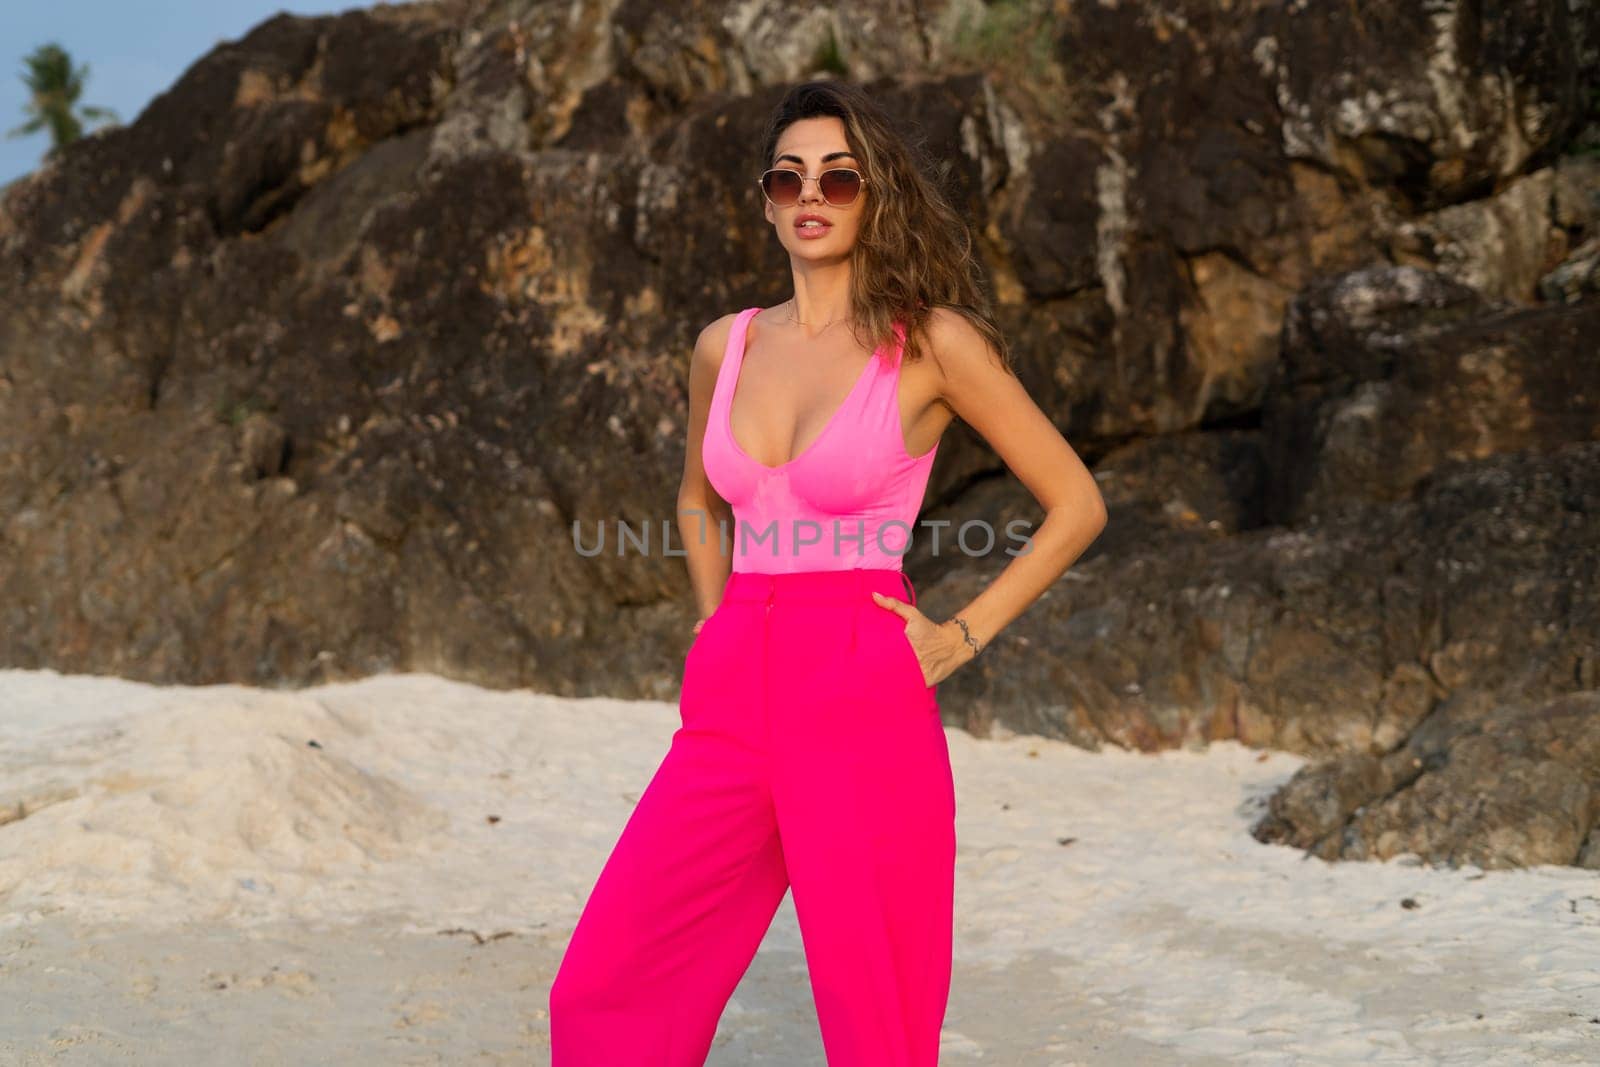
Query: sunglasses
x=839, y=186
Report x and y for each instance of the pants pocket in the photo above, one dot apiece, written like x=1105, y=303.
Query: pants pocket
x=693, y=691
x=700, y=638
x=905, y=654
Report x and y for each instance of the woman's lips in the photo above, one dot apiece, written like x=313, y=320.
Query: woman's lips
x=808, y=231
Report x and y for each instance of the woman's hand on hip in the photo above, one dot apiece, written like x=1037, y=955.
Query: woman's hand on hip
x=938, y=646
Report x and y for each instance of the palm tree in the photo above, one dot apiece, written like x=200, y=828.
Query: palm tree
x=53, y=91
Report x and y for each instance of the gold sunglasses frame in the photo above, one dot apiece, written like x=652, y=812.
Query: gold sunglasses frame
x=761, y=184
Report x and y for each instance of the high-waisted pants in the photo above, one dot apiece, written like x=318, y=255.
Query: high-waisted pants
x=810, y=755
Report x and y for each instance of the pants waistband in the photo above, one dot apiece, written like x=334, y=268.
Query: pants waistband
x=850, y=584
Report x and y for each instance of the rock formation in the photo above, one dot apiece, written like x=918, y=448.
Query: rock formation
x=312, y=370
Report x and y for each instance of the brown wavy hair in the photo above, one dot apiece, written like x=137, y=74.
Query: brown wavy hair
x=914, y=250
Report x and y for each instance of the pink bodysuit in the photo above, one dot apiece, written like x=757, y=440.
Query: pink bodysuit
x=848, y=501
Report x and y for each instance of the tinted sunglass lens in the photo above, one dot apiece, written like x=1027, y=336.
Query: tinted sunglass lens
x=840, y=186
x=782, y=187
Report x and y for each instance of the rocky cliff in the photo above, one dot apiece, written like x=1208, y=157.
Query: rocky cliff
x=310, y=371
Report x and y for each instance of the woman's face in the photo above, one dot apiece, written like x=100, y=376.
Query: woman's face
x=809, y=147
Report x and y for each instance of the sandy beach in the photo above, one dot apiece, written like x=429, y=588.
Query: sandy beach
x=387, y=871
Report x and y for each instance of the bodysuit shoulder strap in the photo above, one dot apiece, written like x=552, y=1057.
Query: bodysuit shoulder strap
x=732, y=357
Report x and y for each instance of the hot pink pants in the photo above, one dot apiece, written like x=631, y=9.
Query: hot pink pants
x=810, y=755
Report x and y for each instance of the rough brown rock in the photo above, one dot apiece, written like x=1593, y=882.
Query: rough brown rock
x=311, y=370
x=1508, y=785
x=1387, y=372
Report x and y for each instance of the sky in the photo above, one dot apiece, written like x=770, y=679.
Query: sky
x=135, y=50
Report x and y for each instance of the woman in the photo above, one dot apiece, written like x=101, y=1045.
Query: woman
x=811, y=754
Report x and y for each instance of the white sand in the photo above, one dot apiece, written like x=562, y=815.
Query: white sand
x=200, y=885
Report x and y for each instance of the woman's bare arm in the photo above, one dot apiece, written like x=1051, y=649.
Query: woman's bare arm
x=703, y=516
x=993, y=402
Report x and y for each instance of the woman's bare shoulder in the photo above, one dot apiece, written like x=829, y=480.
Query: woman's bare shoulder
x=715, y=333
x=712, y=343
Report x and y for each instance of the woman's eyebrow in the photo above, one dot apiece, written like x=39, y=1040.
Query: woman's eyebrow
x=829, y=158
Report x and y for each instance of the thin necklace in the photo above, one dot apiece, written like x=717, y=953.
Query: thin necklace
x=795, y=320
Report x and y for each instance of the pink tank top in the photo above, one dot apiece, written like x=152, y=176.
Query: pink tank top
x=848, y=501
